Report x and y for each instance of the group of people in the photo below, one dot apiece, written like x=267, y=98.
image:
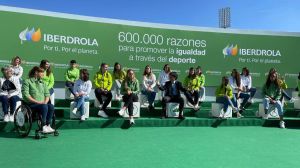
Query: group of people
x=38, y=87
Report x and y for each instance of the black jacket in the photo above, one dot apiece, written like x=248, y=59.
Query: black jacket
x=168, y=88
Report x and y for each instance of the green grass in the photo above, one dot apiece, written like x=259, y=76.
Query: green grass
x=171, y=147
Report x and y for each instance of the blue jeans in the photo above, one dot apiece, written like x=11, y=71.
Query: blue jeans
x=252, y=92
x=150, y=96
x=45, y=110
x=244, y=96
x=193, y=98
x=9, y=102
x=79, y=104
x=225, y=101
x=278, y=106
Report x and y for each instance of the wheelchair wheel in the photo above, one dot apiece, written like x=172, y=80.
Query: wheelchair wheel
x=23, y=120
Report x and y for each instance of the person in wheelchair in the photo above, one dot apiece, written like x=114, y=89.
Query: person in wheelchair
x=9, y=93
x=36, y=95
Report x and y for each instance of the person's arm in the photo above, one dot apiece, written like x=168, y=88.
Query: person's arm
x=67, y=76
x=250, y=82
x=46, y=93
x=123, y=89
x=109, y=85
x=96, y=81
x=229, y=92
x=20, y=73
x=87, y=90
x=154, y=81
x=278, y=94
x=144, y=82
x=137, y=87
x=16, y=82
x=202, y=80
x=51, y=81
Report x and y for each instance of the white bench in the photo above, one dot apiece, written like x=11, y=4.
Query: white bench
x=272, y=112
x=172, y=109
x=68, y=94
x=297, y=102
x=2, y=113
x=86, y=110
x=136, y=110
x=217, y=110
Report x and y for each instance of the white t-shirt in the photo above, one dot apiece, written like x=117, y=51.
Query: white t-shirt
x=149, y=81
x=83, y=87
x=247, y=81
x=233, y=84
x=163, y=78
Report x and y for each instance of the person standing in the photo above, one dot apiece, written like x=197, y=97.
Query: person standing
x=48, y=77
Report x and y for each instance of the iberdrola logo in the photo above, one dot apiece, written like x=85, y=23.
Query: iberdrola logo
x=230, y=50
x=30, y=35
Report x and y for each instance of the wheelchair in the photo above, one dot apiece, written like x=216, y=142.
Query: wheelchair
x=23, y=119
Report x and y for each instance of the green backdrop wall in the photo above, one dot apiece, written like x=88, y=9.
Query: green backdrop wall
x=35, y=35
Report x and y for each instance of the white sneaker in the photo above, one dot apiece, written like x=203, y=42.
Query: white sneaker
x=74, y=111
x=131, y=121
x=292, y=100
x=196, y=107
x=282, y=124
x=45, y=129
x=50, y=129
x=101, y=113
x=82, y=118
x=266, y=116
x=235, y=110
x=119, y=98
x=6, y=118
x=11, y=118
x=121, y=112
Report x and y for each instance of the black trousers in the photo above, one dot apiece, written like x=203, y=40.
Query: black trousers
x=128, y=102
x=107, y=94
x=175, y=99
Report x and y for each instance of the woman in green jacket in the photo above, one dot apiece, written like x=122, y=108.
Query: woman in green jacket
x=129, y=89
x=272, y=93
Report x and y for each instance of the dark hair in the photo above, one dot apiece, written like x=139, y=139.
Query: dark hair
x=246, y=70
x=42, y=65
x=14, y=59
x=85, y=74
x=167, y=66
x=73, y=62
x=237, y=77
x=225, y=78
x=174, y=74
x=34, y=70
x=199, y=67
x=145, y=73
x=193, y=75
x=115, y=69
x=276, y=82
